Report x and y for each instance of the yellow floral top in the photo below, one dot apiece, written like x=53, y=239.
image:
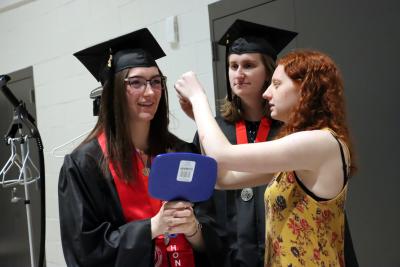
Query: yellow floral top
x=301, y=231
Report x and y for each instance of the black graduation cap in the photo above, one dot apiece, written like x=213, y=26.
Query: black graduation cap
x=135, y=49
x=248, y=37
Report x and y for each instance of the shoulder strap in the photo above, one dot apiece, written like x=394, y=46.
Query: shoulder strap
x=344, y=164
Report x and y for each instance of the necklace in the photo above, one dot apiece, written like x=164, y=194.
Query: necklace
x=147, y=165
x=252, y=128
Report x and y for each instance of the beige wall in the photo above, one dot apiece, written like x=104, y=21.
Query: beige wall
x=45, y=33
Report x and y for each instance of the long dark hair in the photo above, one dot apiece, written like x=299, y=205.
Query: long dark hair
x=113, y=120
x=230, y=110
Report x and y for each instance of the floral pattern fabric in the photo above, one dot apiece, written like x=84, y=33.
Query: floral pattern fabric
x=301, y=231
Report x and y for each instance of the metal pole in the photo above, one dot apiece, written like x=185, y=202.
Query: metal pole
x=27, y=201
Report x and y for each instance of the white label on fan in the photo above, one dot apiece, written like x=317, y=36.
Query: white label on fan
x=186, y=170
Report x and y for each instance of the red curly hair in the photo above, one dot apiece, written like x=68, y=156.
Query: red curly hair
x=321, y=102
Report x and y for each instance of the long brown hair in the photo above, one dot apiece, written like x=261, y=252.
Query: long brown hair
x=230, y=110
x=114, y=121
x=322, y=102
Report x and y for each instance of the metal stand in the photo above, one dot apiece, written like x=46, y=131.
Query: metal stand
x=28, y=173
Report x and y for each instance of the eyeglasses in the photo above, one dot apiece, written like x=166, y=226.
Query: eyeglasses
x=137, y=83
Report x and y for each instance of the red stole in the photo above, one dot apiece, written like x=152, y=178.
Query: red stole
x=137, y=204
x=262, y=133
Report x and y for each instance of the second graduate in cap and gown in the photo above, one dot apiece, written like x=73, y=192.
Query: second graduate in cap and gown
x=251, y=51
x=107, y=217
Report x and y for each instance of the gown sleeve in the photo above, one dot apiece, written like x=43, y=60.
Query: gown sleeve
x=93, y=229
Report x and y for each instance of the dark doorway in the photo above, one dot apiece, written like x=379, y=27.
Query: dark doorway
x=14, y=242
x=363, y=38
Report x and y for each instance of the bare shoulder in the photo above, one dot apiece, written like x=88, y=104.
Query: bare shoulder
x=323, y=172
x=310, y=149
x=311, y=138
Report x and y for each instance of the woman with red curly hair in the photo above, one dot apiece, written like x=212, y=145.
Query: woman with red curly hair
x=307, y=167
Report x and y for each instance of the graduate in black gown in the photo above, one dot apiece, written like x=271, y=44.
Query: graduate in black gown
x=251, y=51
x=107, y=217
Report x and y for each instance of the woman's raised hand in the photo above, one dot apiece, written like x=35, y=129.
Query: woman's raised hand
x=188, y=86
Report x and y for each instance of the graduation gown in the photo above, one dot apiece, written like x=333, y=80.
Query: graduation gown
x=241, y=224
x=93, y=229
